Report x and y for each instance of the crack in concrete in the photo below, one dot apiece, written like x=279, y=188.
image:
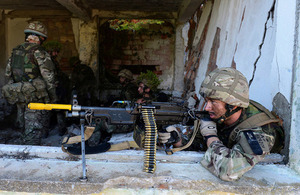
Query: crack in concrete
x=270, y=15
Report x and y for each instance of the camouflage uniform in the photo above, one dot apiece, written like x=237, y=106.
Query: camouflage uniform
x=229, y=159
x=63, y=89
x=242, y=144
x=129, y=93
x=63, y=92
x=31, y=75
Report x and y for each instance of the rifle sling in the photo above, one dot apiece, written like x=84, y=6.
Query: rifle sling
x=123, y=146
x=76, y=139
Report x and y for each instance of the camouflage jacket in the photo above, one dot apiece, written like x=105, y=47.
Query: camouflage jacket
x=229, y=160
x=41, y=68
x=129, y=92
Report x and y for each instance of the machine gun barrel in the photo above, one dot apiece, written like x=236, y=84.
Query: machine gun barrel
x=165, y=113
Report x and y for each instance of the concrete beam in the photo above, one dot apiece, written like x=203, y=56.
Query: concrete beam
x=37, y=14
x=133, y=14
x=187, y=9
x=77, y=8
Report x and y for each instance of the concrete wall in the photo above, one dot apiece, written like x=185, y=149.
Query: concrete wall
x=242, y=34
x=295, y=122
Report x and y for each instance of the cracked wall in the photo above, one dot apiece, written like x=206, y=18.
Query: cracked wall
x=240, y=34
x=255, y=37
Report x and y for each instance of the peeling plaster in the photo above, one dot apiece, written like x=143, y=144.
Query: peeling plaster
x=256, y=37
x=204, y=17
x=88, y=44
x=212, y=64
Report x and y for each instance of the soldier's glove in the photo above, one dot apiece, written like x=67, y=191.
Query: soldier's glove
x=208, y=128
x=169, y=136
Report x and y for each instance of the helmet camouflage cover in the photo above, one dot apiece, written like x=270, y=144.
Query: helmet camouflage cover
x=52, y=46
x=227, y=85
x=126, y=74
x=36, y=27
x=149, y=79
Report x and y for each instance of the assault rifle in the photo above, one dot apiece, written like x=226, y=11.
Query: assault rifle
x=165, y=113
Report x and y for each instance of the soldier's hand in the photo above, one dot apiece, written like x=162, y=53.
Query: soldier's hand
x=169, y=136
x=207, y=127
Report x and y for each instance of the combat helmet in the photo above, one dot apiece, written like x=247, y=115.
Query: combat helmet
x=126, y=74
x=36, y=27
x=227, y=85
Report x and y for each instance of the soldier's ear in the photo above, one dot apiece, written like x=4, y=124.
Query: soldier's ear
x=235, y=107
x=230, y=107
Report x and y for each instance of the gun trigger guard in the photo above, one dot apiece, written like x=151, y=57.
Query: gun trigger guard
x=169, y=151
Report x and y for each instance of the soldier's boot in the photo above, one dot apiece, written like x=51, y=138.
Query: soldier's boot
x=32, y=137
x=20, y=122
x=61, y=123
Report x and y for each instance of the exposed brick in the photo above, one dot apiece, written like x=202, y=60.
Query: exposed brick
x=137, y=62
x=126, y=62
x=212, y=64
x=117, y=62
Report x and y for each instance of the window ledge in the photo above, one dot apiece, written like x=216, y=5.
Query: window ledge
x=48, y=169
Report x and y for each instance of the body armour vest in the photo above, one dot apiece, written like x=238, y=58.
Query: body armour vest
x=22, y=62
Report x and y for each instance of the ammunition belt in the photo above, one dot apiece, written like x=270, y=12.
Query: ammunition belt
x=150, y=140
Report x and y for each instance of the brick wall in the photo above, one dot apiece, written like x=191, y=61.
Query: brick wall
x=152, y=49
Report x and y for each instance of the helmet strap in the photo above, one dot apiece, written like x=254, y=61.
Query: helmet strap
x=229, y=111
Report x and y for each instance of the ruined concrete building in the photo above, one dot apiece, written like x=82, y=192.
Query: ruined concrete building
x=259, y=38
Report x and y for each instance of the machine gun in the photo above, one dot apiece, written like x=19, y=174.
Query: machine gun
x=163, y=113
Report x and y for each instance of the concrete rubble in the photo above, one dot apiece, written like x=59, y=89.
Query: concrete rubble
x=42, y=169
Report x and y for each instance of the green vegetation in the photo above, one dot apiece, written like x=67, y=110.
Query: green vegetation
x=150, y=79
x=134, y=25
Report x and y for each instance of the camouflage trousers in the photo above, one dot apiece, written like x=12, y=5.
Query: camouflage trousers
x=36, y=126
x=61, y=121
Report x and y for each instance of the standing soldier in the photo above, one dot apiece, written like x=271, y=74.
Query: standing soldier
x=83, y=82
x=31, y=78
x=63, y=89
